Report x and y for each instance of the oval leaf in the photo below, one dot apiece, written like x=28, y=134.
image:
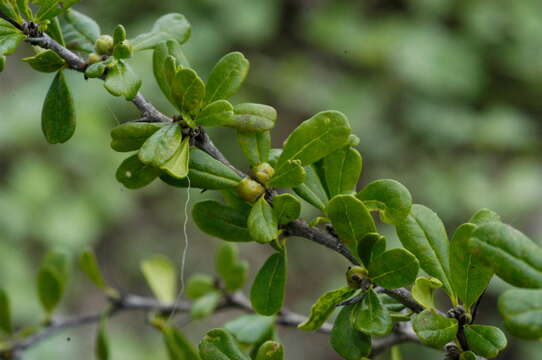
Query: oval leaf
x=324, y=306
x=131, y=136
x=217, y=113
x=522, y=312
x=226, y=77
x=161, y=146
x=177, y=166
x=423, y=289
x=371, y=316
x=433, y=329
x=219, y=344
x=187, y=91
x=133, y=174
x=178, y=346
x=162, y=278
x=394, y=269
x=346, y=340
x=486, y=341
x=161, y=53
x=253, y=117
x=262, y=222
x=221, y=221
x=233, y=271
x=270, y=350
x=199, y=285
x=122, y=81
x=80, y=31
x=58, y=113
x=312, y=190
x=255, y=146
x=89, y=265
x=391, y=198
x=205, y=305
x=102, y=340
x=371, y=246
x=350, y=218
x=286, y=208
x=168, y=27
x=342, y=170
x=251, y=329
x=46, y=61
x=267, y=293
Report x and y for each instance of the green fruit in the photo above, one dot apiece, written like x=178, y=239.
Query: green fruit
x=355, y=276
x=250, y=190
x=104, y=45
x=263, y=172
x=94, y=58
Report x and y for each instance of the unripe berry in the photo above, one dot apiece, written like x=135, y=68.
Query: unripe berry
x=263, y=172
x=250, y=190
x=104, y=45
x=93, y=58
x=355, y=275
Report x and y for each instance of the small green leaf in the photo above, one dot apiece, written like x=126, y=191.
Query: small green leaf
x=199, y=285
x=255, y=146
x=350, y=218
x=133, y=174
x=342, y=169
x=394, y=269
x=102, y=340
x=262, y=222
x=423, y=234
x=89, y=265
x=433, y=329
x=521, y=310
x=391, y=198
x=161, y=276
x=252, y=117
x=167, y=49
x=219, y=344
x=346, y=340
x=486, y=341
x=371, y=246
x=51, y=8
x=131, y=136
x=267, y=293
x=2, y=62
x=46, y=61
x=122, y=81
x=324, y=307
x=286, y=208
x=514, y=257
x=177, y=166
x=221, y=221
x=226, y=77
x=312, y=190
x=289, y=176
x=423, y=289
x=205, y=305
x=50, y=288
x=233, y=271
x=168, y=27
x=80, y=31
x=483, y=216
x=251, y=329
x=316, y=138
x=58, y=113
x=187, y=91
x=161, y=146
x=178, y=346
x=55, y=31
x=270, y=350
x=468, y=355
x=217, y=113
x=371, y=316
x=7, y=7
x=5, y=313
x=119, y=34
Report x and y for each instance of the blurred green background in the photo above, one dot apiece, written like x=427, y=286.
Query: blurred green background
x=444, y=95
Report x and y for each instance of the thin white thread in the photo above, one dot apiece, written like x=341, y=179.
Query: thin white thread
x=113, y=114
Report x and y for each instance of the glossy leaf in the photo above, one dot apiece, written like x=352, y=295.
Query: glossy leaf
x=230, y=268
x=289, y=176
x=226, y=77
x=286, y=208
x=177, y=166
x=46, y=61
x=122, y=81
x=324, y=307
x=187, y=91
x=58, y=113
x=217, y=113
x=391, y=198
x=89, y=265
x=393, y=269
x=423, y=234
x=433, y=329
x=267, y=292
x=50, y=8
x=255, y=146
x=521, y=310
x=133, y=174
x=178, y=346
x=161, y=276
x=468, y=355
x=80, y=31
x=199, y=285
x=371, y=246
x=262, y=222
x=161, y=146
x=346, y=340
x=342, y=169
x=483, y=216
x=219, y=344
x=251, y=329
x=371, y=316
x=131, y=136
x=5, y=313
x=486, y=341
x=316, y=138
x=168, y=27
x=252, y=117
x=54, y=30
x=161, y=53
x=221, y=221
x=270, y=350
x=102, y=340
x=423, y=289
x=312, y=190
x=350, y=218
x=205, y=305
x=514, y=257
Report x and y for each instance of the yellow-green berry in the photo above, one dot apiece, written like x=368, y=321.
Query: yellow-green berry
x=94, y=58
x=250, y=190
x=263, y=172
x=104, y=45
x=355, y=276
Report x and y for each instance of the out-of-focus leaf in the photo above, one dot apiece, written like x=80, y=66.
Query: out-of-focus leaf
x=199, y=285
x=324, y=307
x=221, y=221
x=391, y=198
x=58, y=113
x=178, y=346
x=227, y=76
x=433, y=329
x=168, y=27
x=55, y=31
x=131, y=136
x=205, y=305
x=80, y=31
x=286, y=208
x=346, y=340
x=483, y=216
x=5, y=312
x=350, y=218
x=133, y=174
x=46, y=61
x=50, y=8
x=50, y=288
x=219, y=344
x=102, y=340
x=342, y=169
x=161, y=145
x=371, y=316
x=161, y=277
x=270, y=350
x=251, y=329
x=89, y=265
x=423, y=289
x=486, y=341
x=122, y=81
x=2, y=62
x=267, y=292
x=262, y=222
x=521, y=310
x=394, y=269
x=232, y=270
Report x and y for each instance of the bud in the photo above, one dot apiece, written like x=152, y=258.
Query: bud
x=95, y=70
x=263, y=172
x=250, y=190
x=104, y=45
x=355, y=276
x=93, y=58
x=124, y=50
x=119, y=35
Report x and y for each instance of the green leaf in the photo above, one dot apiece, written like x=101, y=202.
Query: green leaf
x=167, y=49
x=391, y=198
x=233, y=271
x=102, y=340
x=312, y=190
x=178, y=346
x=486, y=341
x=122, y=81
x=131, y=136
x=218, y=344
x=270, y=350
x=205, y=305
x=168, y=27
x=187, y=91
x=46, y=61
x=177, y=166
x=199, y=285
x=423, y=289
x=55, y=31
x=89, y=265
x=395, y=353
x=251, y=329
x=423, y=234
x=371, y=246
x=252, y=117
x=324, y=307
x=470, y=277
x=350, y=218
x=255, y=146
x=267, y=293
x=371, y=316
x=514, y=257
x=160, y=274
x=80, y=31
x=483, y=216
x=289, y=176
x=316, y=138
x=286, y=208
x=262, y=222
x=521, y=310
x=51, y=8
x=133, y=174
x=217, y=113
x=342, y=169
x=5, y=313
x=226, y=77
x=346, y=340
x=7, y=7
x=50, y=289
x=2, y=62
x=221, y=221
x=433, y=329
x=394, y=269
x=468, y=355
x=161, y=146
x=58, y=113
